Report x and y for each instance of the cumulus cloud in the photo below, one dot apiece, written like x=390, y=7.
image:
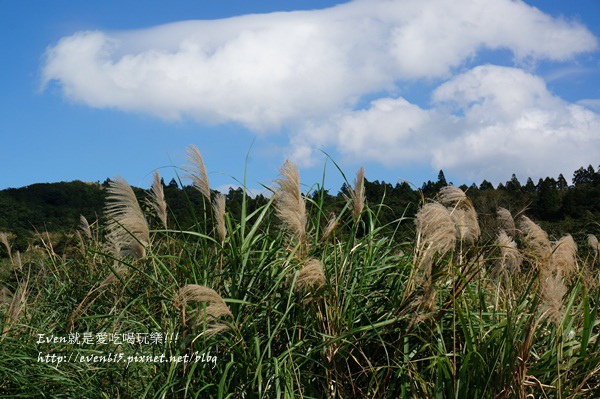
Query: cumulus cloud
x=488, y=122
x=306, y=71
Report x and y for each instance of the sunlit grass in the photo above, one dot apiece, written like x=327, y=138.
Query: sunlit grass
x=289, y=301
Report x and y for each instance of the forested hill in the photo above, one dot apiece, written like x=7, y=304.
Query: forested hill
x=559, y=206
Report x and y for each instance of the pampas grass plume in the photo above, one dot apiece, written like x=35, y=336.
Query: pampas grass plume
x=564, y=257
x=435, y=228
x=157, y=199
x=357, y=194
x=536, y=238
x=506, y=221
x=510, y=256
x=128, y=227
x=219, y=211
x=289, y=203
x=311, y=276
x=198, y=174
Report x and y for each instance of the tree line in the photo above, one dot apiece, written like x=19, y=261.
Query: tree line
x=557, y=205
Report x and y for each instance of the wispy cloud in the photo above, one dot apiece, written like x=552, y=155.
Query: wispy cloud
x=306, y=71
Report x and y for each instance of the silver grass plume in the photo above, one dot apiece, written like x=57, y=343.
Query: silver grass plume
x=510, y=256
x=84, y=227
x=451, y=195
x=506, y=221
x=6, y=243
x=128, y=228
x=593, y=243
x=435, y=228
x=198, y=176
x=157, y=199
x=16, y=307
x=436, y=235
x=219, y=211
x=6, y=297
x=564, y=257
x=311, y=276
x=462, y=211
x=536, y=238
x=332, y=225
x=215, y=306
x=553, y=290
x=289, y=203
x=357, y=194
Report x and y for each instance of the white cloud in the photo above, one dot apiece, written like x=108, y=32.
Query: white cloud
x=486, y=123
x=264, y=71
x=306, y=72
x=512, y=123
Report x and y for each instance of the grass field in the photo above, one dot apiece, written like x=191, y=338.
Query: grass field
x=288, y=300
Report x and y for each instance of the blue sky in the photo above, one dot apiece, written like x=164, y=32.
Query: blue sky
x=479, y=88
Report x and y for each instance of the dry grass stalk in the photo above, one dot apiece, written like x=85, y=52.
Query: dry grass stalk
x=506, y=221
x=157, y=199
x=199, y=176
x=193, y=293
x=289, y=203
x=357, y=194
x=128, y=228
x=510, y=256
x=219, y=211
x=311, y=276
x=119, y=272
x=537, y=239
x=564, y=257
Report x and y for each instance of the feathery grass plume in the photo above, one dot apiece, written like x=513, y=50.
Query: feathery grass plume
x=506, y=221
x=462, y=211
x=6, y=296
x=128, y=227
x=593, y=242
x=536, y=238
x=451, y=195
x=436, y=235
x=357, y=194
x=17, y=262
x=219, y=210
x=435, y=228
x=311, y=276
x=553, y=290
x=194, y=293
x=84, y=227
x=4, y=240
x=157, y=199
x=564, y=257
x=467, y=226
x=16, y=307
x=289, y=203
x=198, y=176
x=332, y=224
x=510, y=256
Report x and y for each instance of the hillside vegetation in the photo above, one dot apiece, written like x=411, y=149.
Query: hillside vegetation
x=380, y=291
